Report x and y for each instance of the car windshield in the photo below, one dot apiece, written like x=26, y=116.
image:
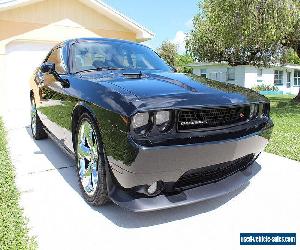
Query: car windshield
x=115, y=55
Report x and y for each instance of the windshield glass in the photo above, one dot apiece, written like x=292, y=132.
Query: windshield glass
x=115, y=55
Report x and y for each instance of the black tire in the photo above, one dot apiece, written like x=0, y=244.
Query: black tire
x=38, y=133
x=100, y=196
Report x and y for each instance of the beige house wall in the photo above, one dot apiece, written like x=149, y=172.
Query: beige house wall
x=55, y=21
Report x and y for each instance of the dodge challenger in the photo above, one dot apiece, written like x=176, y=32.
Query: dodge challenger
x=143, y=135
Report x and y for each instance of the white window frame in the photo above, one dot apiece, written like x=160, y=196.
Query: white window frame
x=297, y=78
x=230, y=74
x=259, y=72
x=278, y=77
x=288, y=81
x=203, y=73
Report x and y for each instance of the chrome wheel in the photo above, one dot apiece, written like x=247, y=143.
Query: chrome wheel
x=33, y=118
x=87, y=157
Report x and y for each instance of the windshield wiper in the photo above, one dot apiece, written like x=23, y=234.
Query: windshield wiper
x=99, y=69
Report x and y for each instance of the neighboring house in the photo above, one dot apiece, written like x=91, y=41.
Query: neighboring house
x=286, y=78
x=30, y=28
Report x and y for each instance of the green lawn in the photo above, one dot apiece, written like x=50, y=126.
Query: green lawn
x=13, y=230
x=285, y=139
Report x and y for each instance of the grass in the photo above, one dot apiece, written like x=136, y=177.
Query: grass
x=285, y=140
x=13, y=230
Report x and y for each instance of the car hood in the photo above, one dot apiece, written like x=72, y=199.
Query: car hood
x=167, y=89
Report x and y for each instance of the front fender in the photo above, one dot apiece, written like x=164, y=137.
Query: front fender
x=114, y=129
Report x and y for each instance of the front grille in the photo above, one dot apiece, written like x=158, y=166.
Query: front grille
x=210, y=174
x=206, y=118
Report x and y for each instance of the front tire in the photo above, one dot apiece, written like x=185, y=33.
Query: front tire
x=90, y=161
x=37, y=127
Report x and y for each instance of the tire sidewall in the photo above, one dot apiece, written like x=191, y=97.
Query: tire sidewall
x=101, y=190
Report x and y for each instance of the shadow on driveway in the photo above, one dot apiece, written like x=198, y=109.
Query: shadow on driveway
x=120, y=216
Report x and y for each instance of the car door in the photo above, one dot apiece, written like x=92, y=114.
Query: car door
x=56, y=105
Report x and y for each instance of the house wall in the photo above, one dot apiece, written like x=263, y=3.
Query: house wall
x=252, y=79
x=219, y=73
x=247, y=76
x=56, y=20
x=293, y=89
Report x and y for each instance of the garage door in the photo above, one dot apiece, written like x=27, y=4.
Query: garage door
x=21, y=60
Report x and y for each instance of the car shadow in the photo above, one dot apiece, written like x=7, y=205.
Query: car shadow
x=122, y=217
x=127, y=219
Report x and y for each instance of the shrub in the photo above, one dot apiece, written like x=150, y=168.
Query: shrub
x=265, y=87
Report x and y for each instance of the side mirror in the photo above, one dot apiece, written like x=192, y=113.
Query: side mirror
x=48, y=67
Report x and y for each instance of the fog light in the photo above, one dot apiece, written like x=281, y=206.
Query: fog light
x=152, y=188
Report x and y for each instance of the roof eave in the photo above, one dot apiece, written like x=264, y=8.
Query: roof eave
x=142, y=34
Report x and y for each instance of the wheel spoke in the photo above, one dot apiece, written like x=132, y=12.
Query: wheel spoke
x=94, y=174
x=92, y=141
x=83, y=151
x=87, y=154
x=82, y=168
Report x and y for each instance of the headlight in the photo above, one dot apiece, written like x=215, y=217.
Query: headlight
x=140, y=120
x=253, y=110
x=162, y=117
x=163, y=120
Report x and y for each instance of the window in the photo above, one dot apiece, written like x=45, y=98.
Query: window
x=278, y=77
x=230, y=74
x=288, y=79
x=203, y=73
x=119, y=55
x=297, y=78
x=259, y=72
x=56, y=57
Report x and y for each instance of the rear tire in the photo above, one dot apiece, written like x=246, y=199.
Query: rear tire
x=90, y=161
x=37, y=127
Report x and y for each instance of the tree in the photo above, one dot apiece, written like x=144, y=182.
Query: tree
x=291, y=57
x=181, y=63
x=255, y=32
x=168, y=51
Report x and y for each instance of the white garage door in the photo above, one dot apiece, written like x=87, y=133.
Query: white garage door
x=21, y=61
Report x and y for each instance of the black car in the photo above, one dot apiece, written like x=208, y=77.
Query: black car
x=143, y=135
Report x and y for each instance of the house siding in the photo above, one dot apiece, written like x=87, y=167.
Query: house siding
x=247, y=76
x=252, y=79
x=219, y=73
x=56, y=20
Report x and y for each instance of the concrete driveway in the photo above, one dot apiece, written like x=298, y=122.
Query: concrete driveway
x=60, y=219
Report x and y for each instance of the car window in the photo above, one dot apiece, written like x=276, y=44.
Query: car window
x=56, y=57
x=91, y=55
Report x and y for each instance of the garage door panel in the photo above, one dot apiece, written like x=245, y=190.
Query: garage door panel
x=22, y=58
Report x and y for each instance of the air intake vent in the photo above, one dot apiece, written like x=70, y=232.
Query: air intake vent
x=214, y=173
x=206, y=118
x=133, y=75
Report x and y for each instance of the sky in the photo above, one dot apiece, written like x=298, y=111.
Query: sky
x=168, y=19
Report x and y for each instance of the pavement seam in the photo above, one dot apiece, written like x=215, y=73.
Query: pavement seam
x=47, y=170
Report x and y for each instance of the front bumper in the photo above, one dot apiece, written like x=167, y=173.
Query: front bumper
x=169, y=163
x=190, y=196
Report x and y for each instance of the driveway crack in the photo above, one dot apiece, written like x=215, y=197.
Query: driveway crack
x=48, y=170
